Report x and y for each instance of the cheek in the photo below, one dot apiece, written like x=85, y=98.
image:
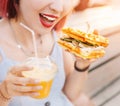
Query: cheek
x=76, y=2
x=68, y=6
x=39, y=4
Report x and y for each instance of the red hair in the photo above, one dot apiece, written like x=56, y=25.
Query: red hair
x=8, y=9
x=3, y=7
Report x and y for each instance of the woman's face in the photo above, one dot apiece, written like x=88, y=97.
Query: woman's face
x=42, y=15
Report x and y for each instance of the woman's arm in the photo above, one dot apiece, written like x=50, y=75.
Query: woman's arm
x=75, y=80
x=4, y=101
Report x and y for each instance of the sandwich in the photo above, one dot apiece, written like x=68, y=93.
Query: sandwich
x=82, y=44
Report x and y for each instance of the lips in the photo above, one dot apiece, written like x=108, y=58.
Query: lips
x=47, y=20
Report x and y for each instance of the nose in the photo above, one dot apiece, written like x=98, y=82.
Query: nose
x=57, y=5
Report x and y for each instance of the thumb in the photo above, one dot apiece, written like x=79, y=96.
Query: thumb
x=95, y=32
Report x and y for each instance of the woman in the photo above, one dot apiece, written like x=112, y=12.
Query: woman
x=45, y=18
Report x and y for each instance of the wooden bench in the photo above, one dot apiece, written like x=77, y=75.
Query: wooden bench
x=105, y=72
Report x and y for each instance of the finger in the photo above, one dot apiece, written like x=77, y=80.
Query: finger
x=32, y=94
x=92, y=60
x=22, y=80
x=67, y=50
x=26, y=88
x=96, y=32
x=81, y=59
x=15, y=90
x=18, y=69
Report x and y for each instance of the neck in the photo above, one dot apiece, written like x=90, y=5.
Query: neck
x=22, y=34
x=24, y=38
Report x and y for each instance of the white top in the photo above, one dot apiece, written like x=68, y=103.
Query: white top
x=56, y=97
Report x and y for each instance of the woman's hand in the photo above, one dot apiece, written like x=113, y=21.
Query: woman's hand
x=16, y=85
x=83, y=63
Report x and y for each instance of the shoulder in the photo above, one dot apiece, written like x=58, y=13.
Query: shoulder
x=4, y=33
x=4, y=26
x=3, y=23
x=3, y=29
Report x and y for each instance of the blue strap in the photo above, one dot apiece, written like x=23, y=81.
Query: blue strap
x=55, y=35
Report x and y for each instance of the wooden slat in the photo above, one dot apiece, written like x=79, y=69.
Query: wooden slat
x=102, y=76
x=108, y=93
x=114, y=102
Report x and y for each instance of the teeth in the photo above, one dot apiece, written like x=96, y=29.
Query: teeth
x=49, y=18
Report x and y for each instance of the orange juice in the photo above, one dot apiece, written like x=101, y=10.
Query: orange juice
x=43, y=71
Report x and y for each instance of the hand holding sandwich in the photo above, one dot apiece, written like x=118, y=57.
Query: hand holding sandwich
x=86, y=47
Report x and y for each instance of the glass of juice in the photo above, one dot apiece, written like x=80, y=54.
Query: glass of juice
x=44, y=69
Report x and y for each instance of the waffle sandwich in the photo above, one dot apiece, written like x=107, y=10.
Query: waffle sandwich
x=84, y=45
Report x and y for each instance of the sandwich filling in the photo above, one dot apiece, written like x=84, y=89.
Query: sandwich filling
x=85, y=47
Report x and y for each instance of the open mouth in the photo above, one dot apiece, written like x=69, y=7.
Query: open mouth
x=47, y=20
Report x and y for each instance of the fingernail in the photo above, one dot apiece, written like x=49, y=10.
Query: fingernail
x=24, y=84
x=39, y=87
x=37, y=81
x=36, y=94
